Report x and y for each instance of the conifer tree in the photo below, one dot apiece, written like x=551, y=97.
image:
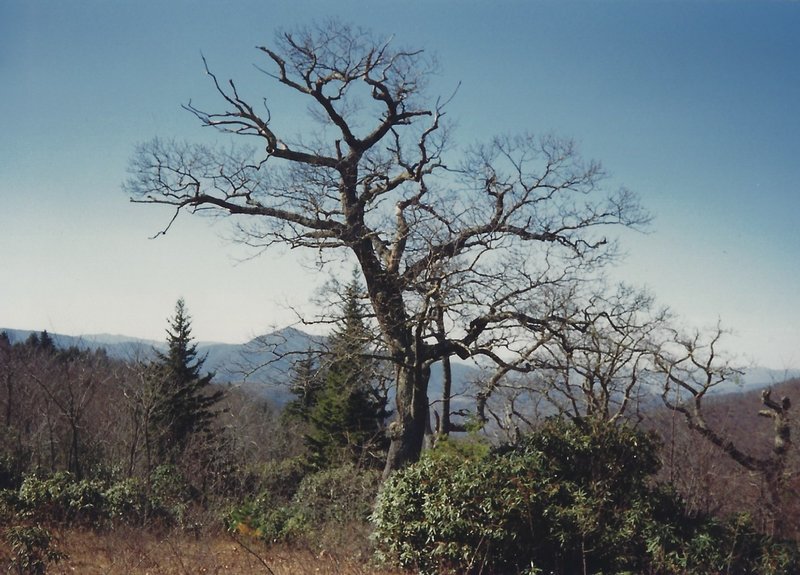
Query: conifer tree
x=41, y=342
x=349, y=411
x=306, y=385
x=185, y=401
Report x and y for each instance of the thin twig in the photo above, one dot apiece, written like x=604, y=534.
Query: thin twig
x=247, y=548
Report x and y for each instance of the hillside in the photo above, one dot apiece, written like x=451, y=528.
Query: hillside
x=263, y=364
x=736, y=415
x=262, y=451
x=707, y=478
x=263, y=360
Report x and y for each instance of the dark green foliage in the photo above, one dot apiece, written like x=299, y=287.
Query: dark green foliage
x=62, y=497
x=41, y=342
x=336, y=496
x=306, y=385
x=171, y=493
x=342, y=402
x=101, y=502
x=451, y=448
x=185, y=400
x=326, y=508
x=707, y=546
x=12, y=464
x=126, y=501
x=265, y=511
x=32, y=549
x=570, y=498
x=347, y=424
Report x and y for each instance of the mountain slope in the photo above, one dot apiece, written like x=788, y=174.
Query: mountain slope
x=264, y=364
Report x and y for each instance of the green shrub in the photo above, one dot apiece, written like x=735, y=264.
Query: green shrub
x=267, y=514
x=329, y=509
x=446, y=514
x=280, y=479
x=15, y=458
x=171, y=494
x=97, y=503
x=32, y=549
x=126, y=501
x=9, y=504
x=472, y=446
x=709, y=546
x=334, y=499
x=11, y=466
x=570, y=498
x=61, y=497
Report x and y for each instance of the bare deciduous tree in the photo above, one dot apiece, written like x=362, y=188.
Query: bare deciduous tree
x=594, y=359
x=54, y=415
x=453, y=252
x=600, y=364
x=693, y=367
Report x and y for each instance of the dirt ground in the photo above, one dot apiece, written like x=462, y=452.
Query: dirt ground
x=131, y=552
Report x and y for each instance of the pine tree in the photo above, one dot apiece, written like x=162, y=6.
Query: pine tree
x=41, y=342
x=185, y=401
x=348, y=414
x=306, y=385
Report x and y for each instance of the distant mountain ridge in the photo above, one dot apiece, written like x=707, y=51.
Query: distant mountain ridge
x=264, y=363
x=117, y=346
x=229, y=362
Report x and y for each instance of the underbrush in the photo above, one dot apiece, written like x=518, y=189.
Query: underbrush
x=133, y=551
x=102, y=502
x=328, y=510
x=299, y=521
x=569, y=498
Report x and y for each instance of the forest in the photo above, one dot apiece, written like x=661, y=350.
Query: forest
x=593, y=437
x=99, y=453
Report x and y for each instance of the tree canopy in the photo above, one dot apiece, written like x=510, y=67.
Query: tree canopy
x=459, y=247
x=184, y=400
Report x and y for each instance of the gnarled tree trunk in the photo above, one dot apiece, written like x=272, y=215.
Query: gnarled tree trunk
x=407, y=432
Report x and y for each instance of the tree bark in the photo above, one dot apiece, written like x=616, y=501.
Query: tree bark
x=407, y=432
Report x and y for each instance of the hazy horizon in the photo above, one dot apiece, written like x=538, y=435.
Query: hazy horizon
x=692, y=105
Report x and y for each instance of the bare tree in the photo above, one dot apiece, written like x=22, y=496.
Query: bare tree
x=54, y=404
x=693, y=367
x=594, y=360
x=602, y=362
x=453, y=253
x=140, y=400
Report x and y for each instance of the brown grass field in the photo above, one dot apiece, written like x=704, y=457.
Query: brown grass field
x=131, y=552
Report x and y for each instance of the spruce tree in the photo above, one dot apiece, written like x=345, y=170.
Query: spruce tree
x=185, y=401
x=41, y=342
x=306, y=385
x=348, y=414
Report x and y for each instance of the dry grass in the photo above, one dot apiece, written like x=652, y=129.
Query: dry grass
x=131, y=552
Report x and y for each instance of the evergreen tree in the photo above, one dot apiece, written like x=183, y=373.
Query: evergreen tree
x=348, y=414
x=306, y=385
x=41, y=342
x=185, y=401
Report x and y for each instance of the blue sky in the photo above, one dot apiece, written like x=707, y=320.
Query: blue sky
x=693, y=105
